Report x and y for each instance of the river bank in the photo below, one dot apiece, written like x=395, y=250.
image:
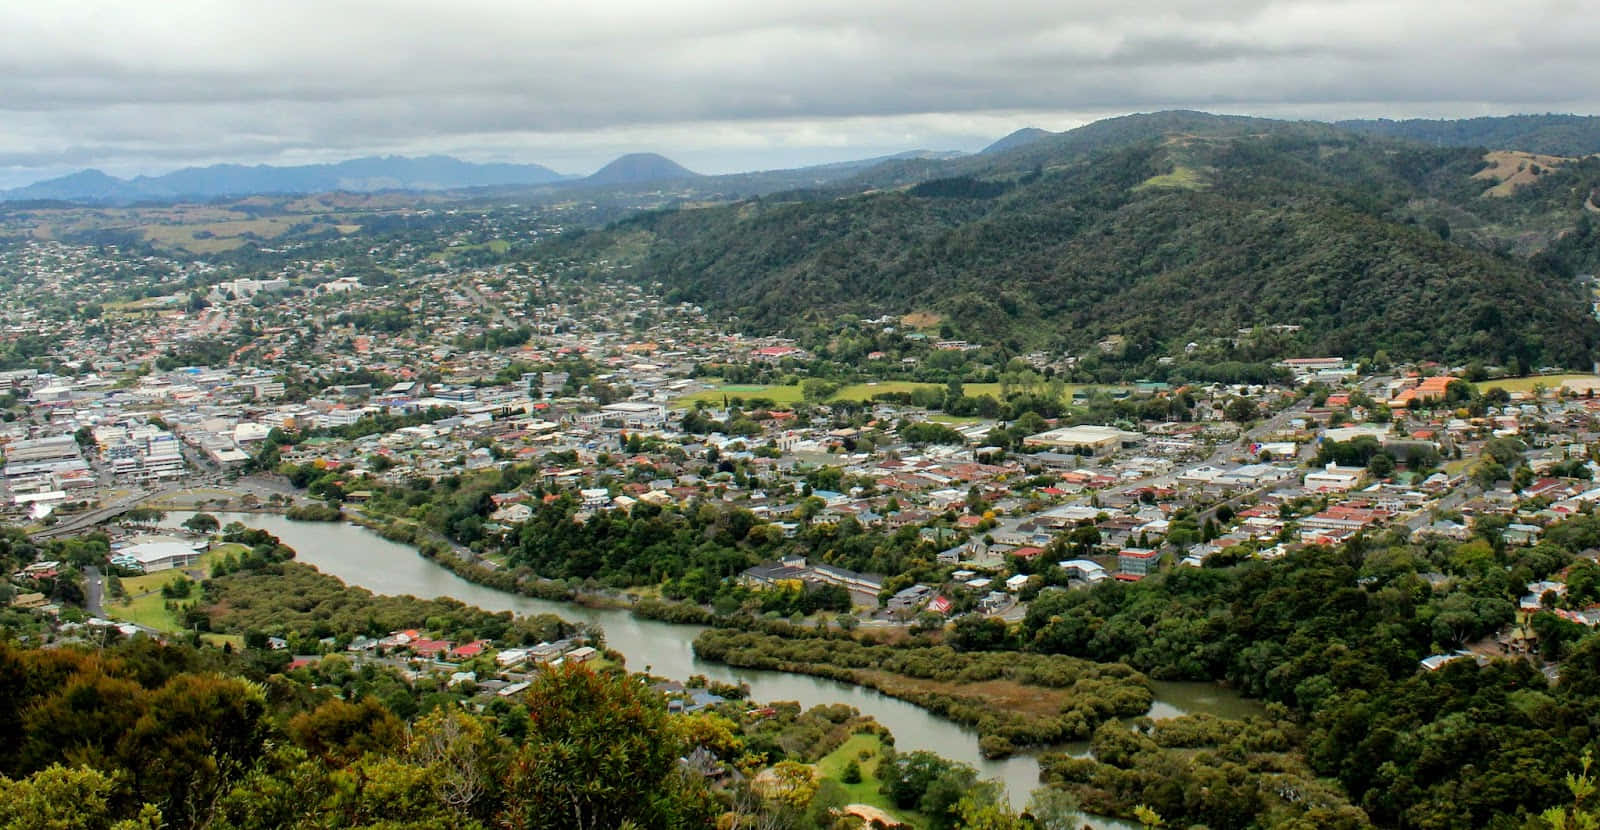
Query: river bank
x=361, y=557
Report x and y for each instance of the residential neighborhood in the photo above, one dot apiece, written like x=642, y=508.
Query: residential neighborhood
x=621, y=399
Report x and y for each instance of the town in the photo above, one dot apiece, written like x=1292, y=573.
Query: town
x=392, y=367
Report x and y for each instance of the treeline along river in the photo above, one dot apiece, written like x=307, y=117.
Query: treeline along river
x=361, y=557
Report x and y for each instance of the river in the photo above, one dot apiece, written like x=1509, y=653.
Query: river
x=361, y=557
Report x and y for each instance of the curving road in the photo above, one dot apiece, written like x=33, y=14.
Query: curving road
x=74, y=524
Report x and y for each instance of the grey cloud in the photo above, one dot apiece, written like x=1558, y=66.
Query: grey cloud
x=163, y=81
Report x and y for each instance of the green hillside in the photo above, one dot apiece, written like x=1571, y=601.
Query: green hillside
x=1557, y=135
x=1166, y=229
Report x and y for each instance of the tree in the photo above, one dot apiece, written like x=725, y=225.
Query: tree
x=1148, y=818
x=1241, y=410
x=984, y=808
x=1051, y=808
x=199, y=734
x=817, y=390
x=143, y=516
x=1487, y=473
x=793, y=784
x=341, y=732
x=459, y=755
x=600, y=752
x=202, y=523
x=288, y=788
x=63, y=798
x=1581, y=815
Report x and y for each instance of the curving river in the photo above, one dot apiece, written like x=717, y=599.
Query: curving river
x=361, y=557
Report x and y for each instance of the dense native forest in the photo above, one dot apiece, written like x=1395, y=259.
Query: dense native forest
x=1334, y=636
x=1556, y=135
x=1183, y=229
x=139, y=736
x=1355, y=733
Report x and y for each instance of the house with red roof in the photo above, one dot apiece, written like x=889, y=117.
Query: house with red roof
x=776, y=353
x=467, y=651
x=424, y=647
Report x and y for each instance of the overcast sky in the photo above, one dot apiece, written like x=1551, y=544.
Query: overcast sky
x=146, y=86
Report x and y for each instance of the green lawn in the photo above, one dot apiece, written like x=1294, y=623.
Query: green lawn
x=135, y=585
x=149, y=610
x=866, y=791
x=147, y=607
x=1526, y=384
x=777, y=394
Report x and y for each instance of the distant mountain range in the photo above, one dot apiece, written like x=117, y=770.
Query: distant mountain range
x=1023, y=136
x=1561, y=135
x=1555, y=135
x=431, y=173
x=640, y=168
x=362, y=175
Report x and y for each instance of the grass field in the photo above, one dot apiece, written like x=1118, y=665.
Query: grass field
x=147, y=606
x=866, y=790
x=494, y=246
x=216, y=237
x=1526, y=384
x=865, y=391
x=149, y=610
x=1186, y=178
x=953, y=420
x=135, y=585
x=778, y=394
x=1512, y=169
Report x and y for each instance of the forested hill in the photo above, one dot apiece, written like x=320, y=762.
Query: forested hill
x=1556, y=135
x=1168, y=229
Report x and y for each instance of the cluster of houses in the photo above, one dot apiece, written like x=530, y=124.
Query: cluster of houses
x=601, y=395
x=491, y=671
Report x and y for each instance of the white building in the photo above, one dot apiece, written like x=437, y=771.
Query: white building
x=1333, y=479
x=1085, y=570
x=1084, y=440
x=162, y=556
x=635, y=414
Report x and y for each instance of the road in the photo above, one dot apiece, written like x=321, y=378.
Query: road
x=260, y=485
x=74, y=524
x=1424, y=517
x=1222, y=453
x=483, y=302
x=94, y=590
